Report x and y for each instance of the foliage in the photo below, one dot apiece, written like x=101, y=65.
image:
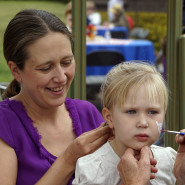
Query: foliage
x=8, y=9
x=156, y=23
x=62, y=1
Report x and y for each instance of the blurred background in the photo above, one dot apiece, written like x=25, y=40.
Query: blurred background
x=147, y=14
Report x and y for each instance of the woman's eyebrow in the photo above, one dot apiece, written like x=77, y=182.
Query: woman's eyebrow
x=48, y=62
x=45, y=63
x=68, y=56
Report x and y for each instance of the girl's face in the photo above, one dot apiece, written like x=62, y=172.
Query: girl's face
x=134, y=122
x=49, y=71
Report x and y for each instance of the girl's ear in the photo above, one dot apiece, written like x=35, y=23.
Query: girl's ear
x=107, y=115
x=15, y=71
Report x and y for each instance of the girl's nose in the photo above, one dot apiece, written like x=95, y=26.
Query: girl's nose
x=142, y=122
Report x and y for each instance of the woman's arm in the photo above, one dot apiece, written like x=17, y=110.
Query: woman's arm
x=8, y=164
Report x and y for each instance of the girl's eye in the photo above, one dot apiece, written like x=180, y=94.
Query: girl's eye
x=152, y=112
x=131, y=112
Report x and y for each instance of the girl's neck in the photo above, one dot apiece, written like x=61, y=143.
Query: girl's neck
x=117, y=148
x=120, y=150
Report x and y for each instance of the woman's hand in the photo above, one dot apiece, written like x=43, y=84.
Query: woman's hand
x=134, y=171
x=87, y=143
x=179, y=167
x=64, y=166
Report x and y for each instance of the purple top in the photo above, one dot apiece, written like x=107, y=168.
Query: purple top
x=17, y=130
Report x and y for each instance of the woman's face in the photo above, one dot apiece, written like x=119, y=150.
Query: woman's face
x=135, y=121
x=48, y=71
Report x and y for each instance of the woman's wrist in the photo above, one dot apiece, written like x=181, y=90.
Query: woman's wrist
x=59, y=173
x=68, y=162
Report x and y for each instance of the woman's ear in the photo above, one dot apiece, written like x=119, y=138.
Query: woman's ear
x=15, y=71
x=107, y=115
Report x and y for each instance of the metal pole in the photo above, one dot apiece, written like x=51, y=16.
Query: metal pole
x=174, y=65
x=78, y=87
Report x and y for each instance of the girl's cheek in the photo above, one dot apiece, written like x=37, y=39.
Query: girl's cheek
x=159, y=126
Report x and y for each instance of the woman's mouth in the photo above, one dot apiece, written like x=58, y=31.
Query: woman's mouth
x=56, y=89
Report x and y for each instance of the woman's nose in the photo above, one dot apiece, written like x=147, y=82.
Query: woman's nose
x=142, y=122
x=59, y=75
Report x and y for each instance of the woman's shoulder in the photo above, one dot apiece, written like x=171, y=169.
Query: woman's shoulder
x=8, y=120
x=4, y=102
x=12, y=115
x=5, y=109
x=10, y=108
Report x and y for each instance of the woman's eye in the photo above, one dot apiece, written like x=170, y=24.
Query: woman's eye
x=152, y=112
x=46, y=68
x=66, y=63
x=131, y=112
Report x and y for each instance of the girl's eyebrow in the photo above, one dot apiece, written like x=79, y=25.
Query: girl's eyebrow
x=135, y=107
x=155, y=107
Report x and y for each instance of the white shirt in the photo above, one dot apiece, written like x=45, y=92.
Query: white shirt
x=100, y=167
x=111, y=4
x=95, y=18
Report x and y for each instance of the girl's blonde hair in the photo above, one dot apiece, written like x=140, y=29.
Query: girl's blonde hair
x=127, y=75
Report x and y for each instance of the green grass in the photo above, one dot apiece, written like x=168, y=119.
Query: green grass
x=7, y=11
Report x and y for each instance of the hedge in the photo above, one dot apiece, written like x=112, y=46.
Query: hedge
x=63, y=1
x=156, y=23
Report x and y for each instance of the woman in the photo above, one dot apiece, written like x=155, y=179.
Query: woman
x=39, y=125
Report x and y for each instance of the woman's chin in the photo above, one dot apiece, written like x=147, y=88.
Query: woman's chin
x=57, y=102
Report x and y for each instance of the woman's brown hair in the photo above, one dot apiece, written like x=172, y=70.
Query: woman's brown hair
x=24, y=29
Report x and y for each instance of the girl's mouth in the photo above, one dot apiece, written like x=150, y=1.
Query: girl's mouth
x=142, y=137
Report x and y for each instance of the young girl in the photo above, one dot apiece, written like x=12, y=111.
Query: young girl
x=135, y=100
